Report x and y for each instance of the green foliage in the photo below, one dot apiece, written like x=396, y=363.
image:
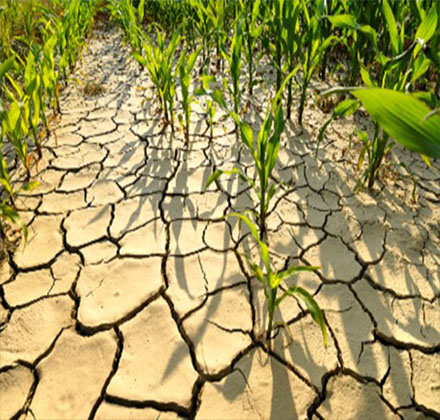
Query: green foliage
x=185, y=66
x=272, y=280
x=158, y=60
x=46, y=33
x=263, y=149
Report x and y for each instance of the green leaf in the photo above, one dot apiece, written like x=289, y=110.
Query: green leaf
x=391, y=26
x=247, y=135
x=255, y=269
x=264, y=253
x=141, y=11
x=251, y=226
x=343, y=21
x=30, y=186
x=366, y=78
x=291, y=271
x=421, y=65
x=218, y=97
x=311, y=304
x=213, y=177
x=346, y=108
x=140, y=59
x=402, y=117
x=6, y=66
x=428, y=26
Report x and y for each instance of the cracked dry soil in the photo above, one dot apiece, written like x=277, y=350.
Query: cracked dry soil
x=131, y=299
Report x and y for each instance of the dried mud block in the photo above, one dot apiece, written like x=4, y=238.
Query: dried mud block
x=191, y=278
x=348, y=399
x=397, y=388
x=409, y=320
x=56, y=202
x=259, y=387
x=405, y=279
x=145, y=185
x=219, y=329
x=133, y=213
x=155, y=364
x=45, y=241
x=337, y=262
x=217, y=236
x=307, y=352
x=124, y=156
x=74, y=181
x=87, y=225
x=373, y=362
x=146, y=240
x=48, y=179
x=99, y=252
x=349, y=322
x=82, y=156
x=108, y=292
x=95, y=127
x=426, y=379
x=72, y=376
x=188, y=181
x=104, y=192
x=108, y=411
x=15, y=385
x=186, y=236
x=31, y=330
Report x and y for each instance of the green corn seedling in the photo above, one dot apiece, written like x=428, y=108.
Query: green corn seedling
x=252, y=34
x=185, y=66
x=311, y=56
x=272, y=280
x=202, y=27
x=398, y=73
x=130, y=19
x=234, y=62
x=291, y=43
x=264, y=151
x=158, y=60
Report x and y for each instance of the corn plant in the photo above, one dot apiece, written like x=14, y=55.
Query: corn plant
x=185, y=66
x=252, y=33
x=234, y=61
x=291, y=43
x=273, y=38
x=403, y=117
x=272, y=282
x=49, y=74
x=264, y=151
x=158, y=60
x=130, y=19
x=202, y=27
x=311, y=57
x=210, y=112
x=399, y=73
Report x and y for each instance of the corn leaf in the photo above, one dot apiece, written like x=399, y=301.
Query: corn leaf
x=428, y=26
x=291, y=271
x=6, y=66
x=213, y=177
x=343, y=21
x=391, y=26
x=402, y=117
x=311, y=304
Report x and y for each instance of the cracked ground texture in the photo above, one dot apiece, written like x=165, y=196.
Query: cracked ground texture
x=132, y=299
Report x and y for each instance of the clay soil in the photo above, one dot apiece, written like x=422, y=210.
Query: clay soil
x=132, y=299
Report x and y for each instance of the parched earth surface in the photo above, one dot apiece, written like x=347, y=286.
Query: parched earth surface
x=132, y=298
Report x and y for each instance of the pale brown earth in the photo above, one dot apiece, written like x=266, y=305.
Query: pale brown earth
x=132, y=300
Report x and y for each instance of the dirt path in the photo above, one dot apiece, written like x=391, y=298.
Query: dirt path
x=131, y=299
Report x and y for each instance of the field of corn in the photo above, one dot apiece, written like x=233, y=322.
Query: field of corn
x=220, y=209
